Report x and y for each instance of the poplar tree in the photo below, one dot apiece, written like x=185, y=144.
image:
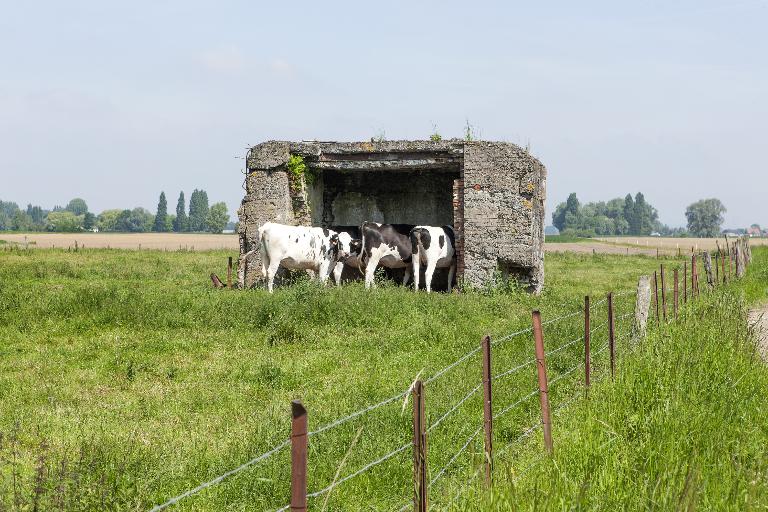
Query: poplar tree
x=162, y=213
x=180, y=223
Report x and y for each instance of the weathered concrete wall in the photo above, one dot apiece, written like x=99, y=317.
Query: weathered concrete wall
x=420, y=197
x=493, y=193
x=504, y=195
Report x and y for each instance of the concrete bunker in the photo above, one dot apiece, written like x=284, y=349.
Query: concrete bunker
x=492, y=193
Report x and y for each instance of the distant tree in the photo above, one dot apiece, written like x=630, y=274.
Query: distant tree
x=107, y=220
x=21, y=221
x=561, y=219
x=181, y=221
x=217, y=218
x=64, y=222
x=705, y=217
x=170, y=221
x=89, y=221
x=137, y=220
x=162, y=214
x=36, y=213
x=198, y=210
x=629, y=214
x=77, y=206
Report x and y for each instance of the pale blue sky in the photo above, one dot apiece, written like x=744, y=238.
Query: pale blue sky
x=115, y=102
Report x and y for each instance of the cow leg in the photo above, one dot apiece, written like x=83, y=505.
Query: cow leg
x=407, y=275
x=428, y=275
x=337, y=270
x=416, y=268
x=271, y=272
x=370, y=268
x=451, y=273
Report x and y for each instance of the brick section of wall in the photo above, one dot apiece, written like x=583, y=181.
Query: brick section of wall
x=458, y=225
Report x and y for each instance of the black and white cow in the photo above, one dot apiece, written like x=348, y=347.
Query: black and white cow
x=434, y=247
x=298, y=248
x=350, y=243
x=388, y=245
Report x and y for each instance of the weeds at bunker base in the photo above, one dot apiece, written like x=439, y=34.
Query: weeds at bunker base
x=492, y=193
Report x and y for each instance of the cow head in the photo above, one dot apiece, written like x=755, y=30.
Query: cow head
x=334, y=251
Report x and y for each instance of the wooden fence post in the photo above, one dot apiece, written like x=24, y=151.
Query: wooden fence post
x=487, y=409
x=685, y=282
x=663, y=295
x=229, y=273
x=541, y=369
x=587, y=369
x=298, y=456
x=656, y=294
x=611, y=335
x=419, y=449
x=676, y=293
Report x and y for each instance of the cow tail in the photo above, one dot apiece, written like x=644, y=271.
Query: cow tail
x=263, y=251
x=363, y=254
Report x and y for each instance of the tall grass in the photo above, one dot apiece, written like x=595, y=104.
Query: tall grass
x=681, y=428
x=126, y=380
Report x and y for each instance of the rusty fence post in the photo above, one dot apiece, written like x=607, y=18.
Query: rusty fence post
x=298, y=456
x=663, y=295
x=717, y=268
x=694, y=277
x=723, y=265
x=656, y=295
x=676, y=293
x=612, y=335
x=586, y=345
x=487, y=410
x=229, y=273
x=541, y=370
x=419, y=449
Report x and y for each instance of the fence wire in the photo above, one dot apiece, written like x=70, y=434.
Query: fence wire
x=453, y=409
x=218, y=479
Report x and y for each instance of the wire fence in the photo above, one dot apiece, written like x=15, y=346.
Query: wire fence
x=620, y=309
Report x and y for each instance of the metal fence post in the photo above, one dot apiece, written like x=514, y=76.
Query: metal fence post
x=676, y=293
x=663, y=295
x=685, y=282
x=419, y=449
x=586, y=345
x=487, y=410
x=229, y=273
x=611, y=335
x=298, y=456
x=656, y=294
x=541, y=370
x=717, y=268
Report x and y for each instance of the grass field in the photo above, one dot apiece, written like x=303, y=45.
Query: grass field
x=125, y=380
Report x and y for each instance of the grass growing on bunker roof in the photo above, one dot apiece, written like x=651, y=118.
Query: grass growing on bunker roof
x=126, y=380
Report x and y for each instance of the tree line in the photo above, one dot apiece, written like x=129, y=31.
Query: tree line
x=634, y=216
x=75, y=217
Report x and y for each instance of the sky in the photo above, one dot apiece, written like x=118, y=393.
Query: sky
x=114, y=102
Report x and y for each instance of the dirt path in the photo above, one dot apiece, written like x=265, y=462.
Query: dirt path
x=759, y=319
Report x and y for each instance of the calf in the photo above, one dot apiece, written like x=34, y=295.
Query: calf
x=434, y=247
x=387, y=245
x=351, y=244
x=298, y=248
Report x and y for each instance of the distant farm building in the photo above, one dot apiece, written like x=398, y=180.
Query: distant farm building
x=492, y=193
